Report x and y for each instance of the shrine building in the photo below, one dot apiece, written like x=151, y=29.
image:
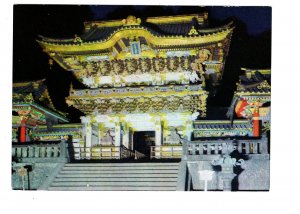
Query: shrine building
x=147, y=82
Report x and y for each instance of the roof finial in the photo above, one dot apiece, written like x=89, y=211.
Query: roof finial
x=77, y=39
x=131, y=20
x=193, y=32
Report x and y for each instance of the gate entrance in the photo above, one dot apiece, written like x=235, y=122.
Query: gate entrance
x=142, y=142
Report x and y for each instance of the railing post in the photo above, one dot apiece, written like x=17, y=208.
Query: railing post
x=30, y=151
x=13, y=152
x=240, y=147
x=255, y=147
x=208, y=149
x=42, y=152
x=63, y=149
x=247, y=145
x=37, y=152
x=48, y=151
x=24, y=152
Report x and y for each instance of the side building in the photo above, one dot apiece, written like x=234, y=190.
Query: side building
x=39, y=135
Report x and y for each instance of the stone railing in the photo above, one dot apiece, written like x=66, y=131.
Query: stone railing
x=221, y=147
x=39, y=151
x=102, y=152
x=165, y=152
x=200, y=156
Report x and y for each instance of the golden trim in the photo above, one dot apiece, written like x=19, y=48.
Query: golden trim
x=253, y=93
x=154, y=20
x=125, y=33
x=179, y=18
x=262, y=71
x=220, y=122
x=144, y=94
x=20, y=84
x=121, y=44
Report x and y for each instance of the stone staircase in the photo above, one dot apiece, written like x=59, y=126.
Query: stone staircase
x=116, y=177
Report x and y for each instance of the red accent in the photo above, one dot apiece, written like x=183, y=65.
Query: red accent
x=256, y=123
x=23, y=131
x=240, y=107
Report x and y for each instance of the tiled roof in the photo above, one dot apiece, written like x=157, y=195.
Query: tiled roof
x=101, y=33
x=34, y=91
x=36, y=88
x=255, y=81
x=222, y=125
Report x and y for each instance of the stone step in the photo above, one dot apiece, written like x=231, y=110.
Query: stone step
x=113, y=188
x=114, y=179
x=118, y=175
x=115, y=184
x=108, y=168
x=120, y=164
x=127, y=171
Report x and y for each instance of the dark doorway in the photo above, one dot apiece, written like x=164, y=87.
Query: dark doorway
x=142, y=141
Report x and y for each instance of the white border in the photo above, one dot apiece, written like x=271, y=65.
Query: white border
x=284, y=194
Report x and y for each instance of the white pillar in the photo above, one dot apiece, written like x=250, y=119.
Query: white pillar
x=125, y=136
x=87, y=132
x=189, y=129
x=99, y=133
x=158, y=137
x=117, y=134
x=158, y=131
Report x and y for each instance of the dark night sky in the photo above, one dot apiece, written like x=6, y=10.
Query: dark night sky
x=250, y=46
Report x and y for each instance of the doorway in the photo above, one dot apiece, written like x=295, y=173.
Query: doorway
x=142, y=141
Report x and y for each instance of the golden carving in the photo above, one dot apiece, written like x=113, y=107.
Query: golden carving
x=131, y=20
x=264, y=84
x=128, y=33
x=142, y=104
x=193, y=32
x=77, y=39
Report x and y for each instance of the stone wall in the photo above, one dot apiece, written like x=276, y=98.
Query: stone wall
x=254, y=177
x=36, y=176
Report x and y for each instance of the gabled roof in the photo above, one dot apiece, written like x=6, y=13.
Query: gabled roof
x=159, y=27
x=255, y=80
x=35, y=93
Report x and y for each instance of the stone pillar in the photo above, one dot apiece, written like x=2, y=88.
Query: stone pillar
x=227, y=180
x=189, y=129
x=158, y=131
x=87, y=132
x=100, y=127
x=117, y=134
x=125, y=137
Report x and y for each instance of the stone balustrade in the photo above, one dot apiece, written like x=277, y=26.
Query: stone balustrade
x=166, y=152
x=39, y=150
x=221, y=147
x=102, y=152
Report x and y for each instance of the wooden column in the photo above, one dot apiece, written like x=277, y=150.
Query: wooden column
x=23, y=131
x=256, y=122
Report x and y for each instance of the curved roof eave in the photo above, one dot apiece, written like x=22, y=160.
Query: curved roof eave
x=205, y=36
